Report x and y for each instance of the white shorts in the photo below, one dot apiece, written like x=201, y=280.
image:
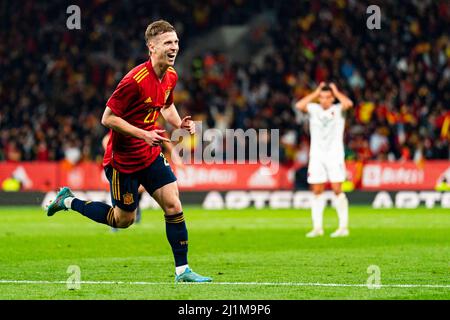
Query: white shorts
x=320, y=171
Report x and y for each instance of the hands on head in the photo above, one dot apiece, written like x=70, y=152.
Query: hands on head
x=323, y=84
x=333, y=88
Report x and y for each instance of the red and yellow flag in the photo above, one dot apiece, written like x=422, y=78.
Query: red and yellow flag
x=445, y=129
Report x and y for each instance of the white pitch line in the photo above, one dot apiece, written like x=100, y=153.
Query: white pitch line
x=292, y=284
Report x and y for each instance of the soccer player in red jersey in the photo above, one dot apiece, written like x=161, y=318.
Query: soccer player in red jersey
x=133, y=156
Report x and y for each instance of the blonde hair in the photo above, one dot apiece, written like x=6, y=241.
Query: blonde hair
x=156, y=28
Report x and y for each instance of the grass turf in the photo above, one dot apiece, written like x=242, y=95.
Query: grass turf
x=263, y=246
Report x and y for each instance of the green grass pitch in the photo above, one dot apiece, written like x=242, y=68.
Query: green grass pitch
x=251, y=254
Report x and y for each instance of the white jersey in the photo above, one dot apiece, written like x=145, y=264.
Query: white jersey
x=327, y=132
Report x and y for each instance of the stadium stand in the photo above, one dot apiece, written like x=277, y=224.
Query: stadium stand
x=55, y=81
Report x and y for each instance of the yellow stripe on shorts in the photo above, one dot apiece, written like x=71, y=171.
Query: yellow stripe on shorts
x=116, y=187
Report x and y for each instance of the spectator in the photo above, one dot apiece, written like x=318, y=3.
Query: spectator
x=54, y=82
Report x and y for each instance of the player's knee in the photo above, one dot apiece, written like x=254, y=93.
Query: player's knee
x=317, y=191
x=124, y=223
x=124, y=219
x=173, y=207
x=337, y=191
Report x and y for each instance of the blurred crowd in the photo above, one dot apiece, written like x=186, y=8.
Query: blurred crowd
x=55, y=82
x=398, y=76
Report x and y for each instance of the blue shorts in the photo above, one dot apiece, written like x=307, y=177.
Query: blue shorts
x=124, y=186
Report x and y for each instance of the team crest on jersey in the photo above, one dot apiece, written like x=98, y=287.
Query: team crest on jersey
x=128, y=198
x=166, y=94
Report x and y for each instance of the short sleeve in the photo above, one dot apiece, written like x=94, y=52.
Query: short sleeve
x=126, y=93
x=338, y=108
x=311, y=107
x=169, y=99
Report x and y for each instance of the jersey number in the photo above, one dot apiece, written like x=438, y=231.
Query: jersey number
x=166, y=163
x=151, y=117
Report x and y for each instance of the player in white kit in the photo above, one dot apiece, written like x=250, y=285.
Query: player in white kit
x=326, y=155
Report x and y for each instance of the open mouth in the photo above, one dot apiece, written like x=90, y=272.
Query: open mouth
x=171, y=55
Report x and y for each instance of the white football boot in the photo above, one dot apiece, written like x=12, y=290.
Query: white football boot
x=315, y=233
x=341, y=232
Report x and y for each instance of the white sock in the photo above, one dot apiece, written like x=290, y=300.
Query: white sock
x=341, y=203
x=179, y=270
x=68, y=202
x=317, y=206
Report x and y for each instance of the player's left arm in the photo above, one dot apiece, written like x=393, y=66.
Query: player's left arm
x=171, y=115
x=343, y=99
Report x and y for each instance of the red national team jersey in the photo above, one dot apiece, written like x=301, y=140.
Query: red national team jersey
x=138, y=99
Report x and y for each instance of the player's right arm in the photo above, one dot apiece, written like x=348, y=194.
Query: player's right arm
x=116, y=123
x=125, y=94
x=303, y=103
